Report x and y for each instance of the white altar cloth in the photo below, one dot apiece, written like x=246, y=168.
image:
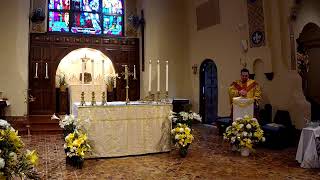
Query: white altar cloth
x=117, y=129
x=242, y=107
x=307, y=150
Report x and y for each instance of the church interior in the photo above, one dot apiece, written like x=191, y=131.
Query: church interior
x=170, y=89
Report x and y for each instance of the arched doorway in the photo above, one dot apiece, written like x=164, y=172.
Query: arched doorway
x=208, y=91
x=99, y=75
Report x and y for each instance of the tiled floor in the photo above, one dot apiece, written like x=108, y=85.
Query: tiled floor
x=209, y=158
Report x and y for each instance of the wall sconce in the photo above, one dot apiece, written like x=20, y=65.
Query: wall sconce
x=194, y=69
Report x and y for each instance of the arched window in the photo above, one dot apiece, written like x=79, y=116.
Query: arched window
x=86, y=16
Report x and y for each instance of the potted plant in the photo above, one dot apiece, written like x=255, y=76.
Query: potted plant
x=243, y=134
x=14, y=162
x=68, y=124
x=76, y=145
x=62, y=82
x=184, y=117
x=182, y=138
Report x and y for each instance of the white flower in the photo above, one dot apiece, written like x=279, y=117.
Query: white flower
x=233, y=139
x=248, y=126
x=184, y=115
x=228, y=128
x=177, y=136
x=4, y=124
x=13, y=155
x=263, y=139
x=254, y=119
x=172, y=131
x=197, y=117
x=65, y=146
x=2, y=163
x=244, y=133
x=190, y=116
x=246, y=117
x=181, y=130
x=239, y=118
x=174, y=119
x=241, y=126
x=234, y=124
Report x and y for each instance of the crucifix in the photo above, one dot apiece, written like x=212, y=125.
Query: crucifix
x=126, y=75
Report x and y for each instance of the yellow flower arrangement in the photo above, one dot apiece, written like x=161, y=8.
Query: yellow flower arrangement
x=76, y=144
x=13, y=162
x=244, y=133
x=182, y=136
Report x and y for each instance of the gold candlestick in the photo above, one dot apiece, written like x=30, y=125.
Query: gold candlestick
x=82, y=102
x=126, y=75
x=93, y=99
x=103, y=99
x=158, y=96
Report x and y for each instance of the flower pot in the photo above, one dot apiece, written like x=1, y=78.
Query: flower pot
x=234, y=148
x=183, y=151
x=245, y=152
x=75, y=161
x=63, y=88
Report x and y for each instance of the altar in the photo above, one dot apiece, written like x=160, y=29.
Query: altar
x=120, y=129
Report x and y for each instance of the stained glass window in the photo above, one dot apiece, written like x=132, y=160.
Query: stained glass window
x=86, y=23
x=86, y=16
x=59, y=21
x=59, y=4
x=112, y=25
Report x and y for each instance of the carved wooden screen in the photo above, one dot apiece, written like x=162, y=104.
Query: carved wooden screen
x=47, y=50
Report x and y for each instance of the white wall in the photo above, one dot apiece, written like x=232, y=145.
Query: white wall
x=14, y=34
x=165, y=40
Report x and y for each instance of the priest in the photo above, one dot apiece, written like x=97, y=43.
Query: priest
x=246, y=88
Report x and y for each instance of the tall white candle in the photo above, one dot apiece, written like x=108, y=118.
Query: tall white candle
x=115, y=81
x=36, y=75
x=47, y=71
x=149, y=88
x=92, y=74
x=158, y=77
x=134, y=72
x=102, y=74
x=82, y=76
x=167, y=76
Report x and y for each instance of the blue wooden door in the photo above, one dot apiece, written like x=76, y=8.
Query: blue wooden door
x=208, y=91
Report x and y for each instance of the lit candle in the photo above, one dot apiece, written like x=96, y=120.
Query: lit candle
x=134, y=72
x=158, y=83
x=82, y=76
x=47, y=71
x=149, y=88
x=36, y=75
x=92, y=74
x=167, y=76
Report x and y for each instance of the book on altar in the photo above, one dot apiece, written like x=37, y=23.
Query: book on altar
x=242, y=106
